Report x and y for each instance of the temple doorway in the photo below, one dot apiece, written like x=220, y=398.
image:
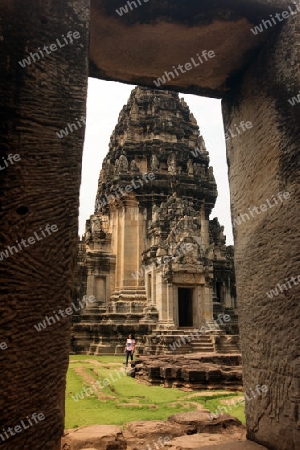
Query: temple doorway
x=185, y=307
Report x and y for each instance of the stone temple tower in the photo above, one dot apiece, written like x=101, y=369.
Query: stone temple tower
x=157, y=266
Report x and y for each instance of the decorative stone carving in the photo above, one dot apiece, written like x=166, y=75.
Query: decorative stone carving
x=117, y=167
x=123, y=163
x=163, y=209
x=184, y=278
x=154, y=163
x=133, y=166
x=135, y=109
x=190, y=168
x=96, y=224
x=196, y=169
x=88, y=234
x=172, y=164
x=155, y=213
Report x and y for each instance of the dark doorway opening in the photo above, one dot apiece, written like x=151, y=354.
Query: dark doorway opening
x=185, y=307
x=218, y=290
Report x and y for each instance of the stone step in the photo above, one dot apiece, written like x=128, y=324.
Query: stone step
x=205, y=337
x=185, y=337
x=200, y=347
x=203, y=347
x=202, y=344
x=202, y=350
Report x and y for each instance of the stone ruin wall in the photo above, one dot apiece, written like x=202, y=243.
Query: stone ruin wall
x=263, y=162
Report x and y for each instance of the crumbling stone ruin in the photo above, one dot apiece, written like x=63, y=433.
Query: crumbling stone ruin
x=189, y=430
x=190, y=371
x=155, y=263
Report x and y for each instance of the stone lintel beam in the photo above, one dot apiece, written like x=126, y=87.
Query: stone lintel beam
x=157, y=36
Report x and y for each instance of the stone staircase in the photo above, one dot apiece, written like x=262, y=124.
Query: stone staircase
x=213, y=329
x=202, y=344
x=231, y=327
x=227, y=344
x=180, y=341
x=187, y=340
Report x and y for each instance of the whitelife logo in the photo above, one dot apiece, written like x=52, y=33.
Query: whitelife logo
x=187, y=66
x=263, y=207
x=274, y=292
x=239, y=129
x=10, y=160
x=64, y=313
x=294, y=100
x=260, y=390
x=201, y=331
x=3, y=346
x=124, y=9
x=31, y=240
x=94, y=387
x=70, y=128
x=267, y=23
x=119, y=192
x=181, y=251
x=34, y=57
x=36, y=417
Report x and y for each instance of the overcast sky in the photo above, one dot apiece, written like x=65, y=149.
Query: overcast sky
x=105, y=101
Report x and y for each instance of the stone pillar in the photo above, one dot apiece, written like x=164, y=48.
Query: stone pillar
x=42, y=187
x=208, y=304
x=160, y=295
x=227, y=294
x=175, y=304
x=153, y=288
x=204, y=227
x=131, y=235
x=170, y=304
x=90, y=283
x=263, y=162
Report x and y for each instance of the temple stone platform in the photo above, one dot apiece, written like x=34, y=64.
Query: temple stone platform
x=200, y=371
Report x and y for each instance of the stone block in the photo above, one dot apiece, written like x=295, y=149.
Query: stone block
x=155, y=428
x=99, y=437
x=200, y=422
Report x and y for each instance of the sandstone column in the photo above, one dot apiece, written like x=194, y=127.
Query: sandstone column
x=264, y=161
x=42, y=187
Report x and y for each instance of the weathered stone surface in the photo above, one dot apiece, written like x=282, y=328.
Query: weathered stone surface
x=189, y=431
x=245, y=445
x=195, y=441
x=161, y=34
x=212, y=372
x=37, y=101
x=101, y=437
x=262, y=163
x=154, y=429
x=200, y=422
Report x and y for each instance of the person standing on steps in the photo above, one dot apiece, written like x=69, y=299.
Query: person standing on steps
x=129, y=348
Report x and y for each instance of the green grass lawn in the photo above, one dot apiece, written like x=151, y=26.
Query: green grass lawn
x=215, y=400
x=123, y=399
